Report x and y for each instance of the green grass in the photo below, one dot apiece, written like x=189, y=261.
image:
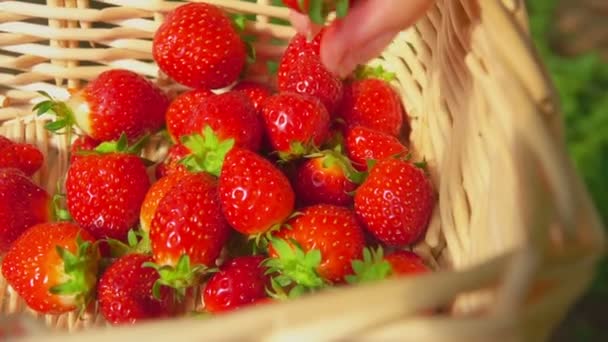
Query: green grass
x=582, y=83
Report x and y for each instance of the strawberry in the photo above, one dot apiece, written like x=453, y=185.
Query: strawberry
x=22, y=205
x=230, y=115
x=25, y=157
x=240, y=282
x=298, y=47
x=172, y=162
x=406, y=262
x=318, y=10
x=188, y=231
x=375, y=266
x=307, y=75
x=295, y=123
x=115, y=102
x=198, y=47
x=125, y=292
x=326, y=177
x=364, y=144
x=257, y=92
x=155, y=194
x=82, y=144
x=182, y=109
x=331, y=230
x=395, y=202
x=255, y=195
x=372, y=102
x=53, y=267
x=105, y=189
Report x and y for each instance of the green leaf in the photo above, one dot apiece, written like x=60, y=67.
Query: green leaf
x=239, y=21
x=55, y=126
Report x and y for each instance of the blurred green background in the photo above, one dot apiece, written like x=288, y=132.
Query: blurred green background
x=581, y=78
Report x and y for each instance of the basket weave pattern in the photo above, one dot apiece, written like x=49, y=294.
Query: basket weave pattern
x=514, y=235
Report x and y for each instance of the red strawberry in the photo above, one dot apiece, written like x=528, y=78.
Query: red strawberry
x=188, y=230
x=319, y=9
x=298, y=46
x=395, y=202
x=155, y=194
x=406, y=262
x=115, y=102
x=182, y=109
x=82, y=144
x=301, y=71
x=231, y=116
x=125, y=292
x=172, y=162
x=309, y=77
x=364, y=144
x=104, y=190
x=22, y=205
x=326, y=177
x=255, y=195
x=198, y=47
x=53, y=267
x=25, y=157
x=373, y=103
x=239, y=283
x=375, y=266
x=257, y=92
x=295, y=123
x=331, y=230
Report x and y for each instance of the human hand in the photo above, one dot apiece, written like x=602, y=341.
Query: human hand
x=368, y=28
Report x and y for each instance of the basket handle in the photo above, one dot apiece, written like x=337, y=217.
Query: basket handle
x=517, y=8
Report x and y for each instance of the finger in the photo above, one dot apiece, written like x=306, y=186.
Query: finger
x=367, y=30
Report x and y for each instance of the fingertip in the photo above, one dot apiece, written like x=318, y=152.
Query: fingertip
x=300, y=22
x=333, y=49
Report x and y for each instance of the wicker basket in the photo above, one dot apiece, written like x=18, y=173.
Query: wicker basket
x=514, y=237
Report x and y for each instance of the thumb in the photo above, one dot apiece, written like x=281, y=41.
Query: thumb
x=368, y=28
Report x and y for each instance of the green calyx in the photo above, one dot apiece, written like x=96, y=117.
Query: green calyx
x=337, y=158
x=138, y=242
x=373, y=267
x=365, y=71
x=294, y=271
x=64, y=115
x=120, y=146
x=207, y=152
x=179, y=278
x=59, y=212
x=297, y=150
x=81, y=270
x=239, y=22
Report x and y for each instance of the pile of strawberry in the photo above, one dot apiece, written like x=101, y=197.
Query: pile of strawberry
x=265, y=194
